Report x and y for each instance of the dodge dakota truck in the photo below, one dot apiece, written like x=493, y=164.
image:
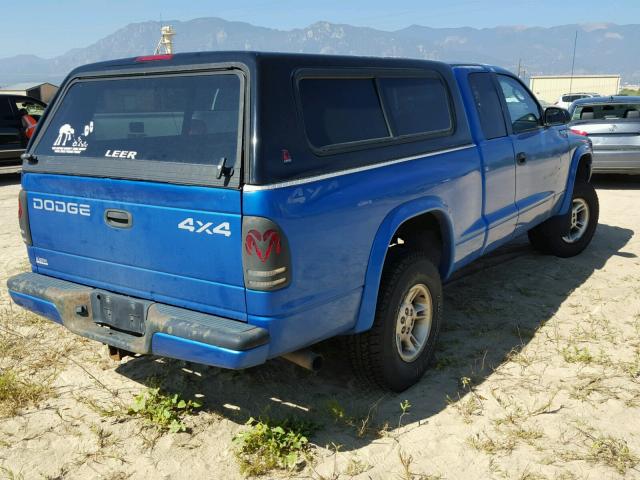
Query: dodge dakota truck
x=228, y=208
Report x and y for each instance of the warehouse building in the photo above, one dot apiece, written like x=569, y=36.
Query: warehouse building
x=40, y=91
x=549, y=88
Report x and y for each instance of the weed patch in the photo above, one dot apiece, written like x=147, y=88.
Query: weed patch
x=268, y=446
x=164, y=411
x=577, y=355
x=361, y=423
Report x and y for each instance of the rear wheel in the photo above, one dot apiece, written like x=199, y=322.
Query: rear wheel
x=396, y=351
x=570, y=234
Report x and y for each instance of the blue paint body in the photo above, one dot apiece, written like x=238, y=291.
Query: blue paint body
x=37, y=305
x=338, y=231
x=184, y=349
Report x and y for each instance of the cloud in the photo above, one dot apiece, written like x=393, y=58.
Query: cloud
x=613, y=36
x=590, y=27
x=454, y=40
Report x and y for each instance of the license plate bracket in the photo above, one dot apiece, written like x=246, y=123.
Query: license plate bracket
x=119, y=312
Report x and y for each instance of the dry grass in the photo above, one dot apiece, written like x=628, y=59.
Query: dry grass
x=407, y=473
x=356, y=467
x=28, y=364
x=482, y=442
x=17, y=394
x=467, y=407
x=9, y=474
x=605, y=450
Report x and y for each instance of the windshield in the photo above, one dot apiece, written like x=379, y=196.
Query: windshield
x=613, y=111
x=187, y=119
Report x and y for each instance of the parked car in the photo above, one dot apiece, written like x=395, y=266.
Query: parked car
x=13, y=139
x=227, y=208
x=567, y=99
x=613, y=126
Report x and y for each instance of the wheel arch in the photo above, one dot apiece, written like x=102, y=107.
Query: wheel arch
x=431, y=212
x=580, y=169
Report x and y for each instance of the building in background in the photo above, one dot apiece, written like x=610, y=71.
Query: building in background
x=549, y=88
x=40, y=91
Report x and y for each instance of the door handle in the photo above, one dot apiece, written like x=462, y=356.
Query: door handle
x=118, y=218
x=521, y=158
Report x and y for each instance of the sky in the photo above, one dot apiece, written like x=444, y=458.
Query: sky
x=60, y=25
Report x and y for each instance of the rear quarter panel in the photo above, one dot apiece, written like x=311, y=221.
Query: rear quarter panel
x=332, y=224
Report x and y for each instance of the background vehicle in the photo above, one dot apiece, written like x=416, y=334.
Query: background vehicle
x=567, y=99
x=226, y=208
x=12, y=136
x=613, y=125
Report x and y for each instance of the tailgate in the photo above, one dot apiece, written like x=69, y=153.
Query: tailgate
x=134, y=189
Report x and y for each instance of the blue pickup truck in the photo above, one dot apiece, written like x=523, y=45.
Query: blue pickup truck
x=231, y=207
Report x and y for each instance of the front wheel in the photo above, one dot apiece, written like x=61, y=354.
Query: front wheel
x=396, y=351
x=570, y=234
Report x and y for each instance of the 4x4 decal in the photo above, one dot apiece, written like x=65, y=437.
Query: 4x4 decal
x=196, y=226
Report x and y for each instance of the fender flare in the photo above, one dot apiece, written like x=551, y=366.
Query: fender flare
x=380, y=246
x=581, y=151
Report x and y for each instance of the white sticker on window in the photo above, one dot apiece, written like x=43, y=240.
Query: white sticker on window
x=68, y=142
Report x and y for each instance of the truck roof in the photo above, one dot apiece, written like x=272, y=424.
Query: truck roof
x=253, y=58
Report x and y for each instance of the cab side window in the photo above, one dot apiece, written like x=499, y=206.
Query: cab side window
x=523, y=109
x=416, y=105
x=341, y=110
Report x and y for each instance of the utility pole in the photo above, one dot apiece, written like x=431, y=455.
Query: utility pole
x=573, y=62
x=519, y=65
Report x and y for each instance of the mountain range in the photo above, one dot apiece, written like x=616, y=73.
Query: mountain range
x=601, y=48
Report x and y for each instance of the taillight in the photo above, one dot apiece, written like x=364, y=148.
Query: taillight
x=23, y=217
x=579, y=132
x=265, y=255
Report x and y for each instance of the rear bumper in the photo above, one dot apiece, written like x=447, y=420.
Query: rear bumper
x=168, y=331
x=616, y=161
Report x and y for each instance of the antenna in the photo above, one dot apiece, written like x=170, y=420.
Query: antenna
x=573, y=62
x=519, y=67
x=165, y=45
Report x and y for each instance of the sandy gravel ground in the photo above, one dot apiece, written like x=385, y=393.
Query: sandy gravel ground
x=537, y=377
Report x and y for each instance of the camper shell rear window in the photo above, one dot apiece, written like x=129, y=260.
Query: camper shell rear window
x=173, y=128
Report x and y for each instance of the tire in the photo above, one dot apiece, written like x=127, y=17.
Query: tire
x=376, y=355
x=561, y=235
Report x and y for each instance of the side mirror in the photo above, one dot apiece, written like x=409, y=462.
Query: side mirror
x=556, y=116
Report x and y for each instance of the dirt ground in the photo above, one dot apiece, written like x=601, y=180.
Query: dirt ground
x=537, y=376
